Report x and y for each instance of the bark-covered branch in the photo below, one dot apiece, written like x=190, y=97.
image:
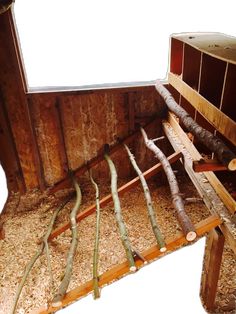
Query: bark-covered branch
x=96, y=291
x=119, y=218
x=31, y=263
x=151, y=212
x=185, y=223
x=212, y=142
x=57, y=300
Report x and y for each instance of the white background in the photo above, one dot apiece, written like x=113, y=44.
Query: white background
x=91, y=42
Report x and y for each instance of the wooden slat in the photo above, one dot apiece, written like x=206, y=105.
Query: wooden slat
x=204, y=165
x=211, y=269
x=123, y=269
x=202, y=183
x=12, y=87
x=60, y=134
x=8, y=154
x=217, y=118
x=124, y=188
x=100, y=157
x=46, y=125
x=210, y=176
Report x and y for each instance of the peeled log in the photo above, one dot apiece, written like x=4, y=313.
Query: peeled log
x=223, y=153
x=151, y=212
x=96, y=291
x=118, y=214
x=57, y=300
x=184, y=221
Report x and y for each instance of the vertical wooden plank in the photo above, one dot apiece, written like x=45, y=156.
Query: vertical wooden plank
x=176, y=56
x=211, y=84
x=130, y=100
x=44, y=116
x=8, y=154
x=229, y=97
x=191, y=66
x=60, y=134
x=41, y=178
x=12, y=85
x=211, y=268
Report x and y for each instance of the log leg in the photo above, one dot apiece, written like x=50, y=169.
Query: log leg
x=211, y=268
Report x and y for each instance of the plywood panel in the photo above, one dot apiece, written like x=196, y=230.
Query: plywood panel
x=89, y=122
x=49, y=143
x=191, y=66
x=229, y=99
x=211, y=85
x=218, y=45
x=176, y=56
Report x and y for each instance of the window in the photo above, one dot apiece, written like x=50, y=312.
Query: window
x=75, y=42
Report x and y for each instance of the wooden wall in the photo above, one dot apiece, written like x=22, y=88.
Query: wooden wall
x=43, y=135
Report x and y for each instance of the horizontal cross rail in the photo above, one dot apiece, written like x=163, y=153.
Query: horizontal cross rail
x=122, y=269
x=107, y=199
x=66, y=182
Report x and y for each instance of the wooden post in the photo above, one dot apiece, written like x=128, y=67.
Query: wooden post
x=211, y=268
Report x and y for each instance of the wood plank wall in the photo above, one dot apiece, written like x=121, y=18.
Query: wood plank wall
x=44, y=135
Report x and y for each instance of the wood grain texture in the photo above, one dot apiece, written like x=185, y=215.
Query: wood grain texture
x=45, y=121
x=8, y=155
x=224, y=124
x=210, y=176
x=212, y=263
x=12, y=87
x=204, y=184
x=90, y=121
x=204, y=165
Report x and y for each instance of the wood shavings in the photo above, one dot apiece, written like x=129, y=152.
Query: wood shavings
x=23, y=229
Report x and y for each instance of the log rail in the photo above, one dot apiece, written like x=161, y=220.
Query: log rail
x=178, y=139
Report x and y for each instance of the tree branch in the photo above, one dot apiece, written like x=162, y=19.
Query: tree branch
x=185, y=223
x=31, y=263
x=223, y=153
x=57, y=300
x=119, y=218
x=96, y=291
x=151, y=212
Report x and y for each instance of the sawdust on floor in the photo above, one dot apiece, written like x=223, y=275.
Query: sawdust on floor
x=26, y=219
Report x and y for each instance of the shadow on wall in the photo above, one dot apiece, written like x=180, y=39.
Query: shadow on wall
x=3, y=189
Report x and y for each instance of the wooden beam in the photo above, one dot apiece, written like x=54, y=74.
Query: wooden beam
x=211, y=268
x=225, y=125
x=195, y=155
x=65, y=183
x=201, y=182
x=107, y=199
x=12, y=83
x=61, y=132
x=123, y=269
x=40, y=172
x=8, y=154
x=204, y=165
